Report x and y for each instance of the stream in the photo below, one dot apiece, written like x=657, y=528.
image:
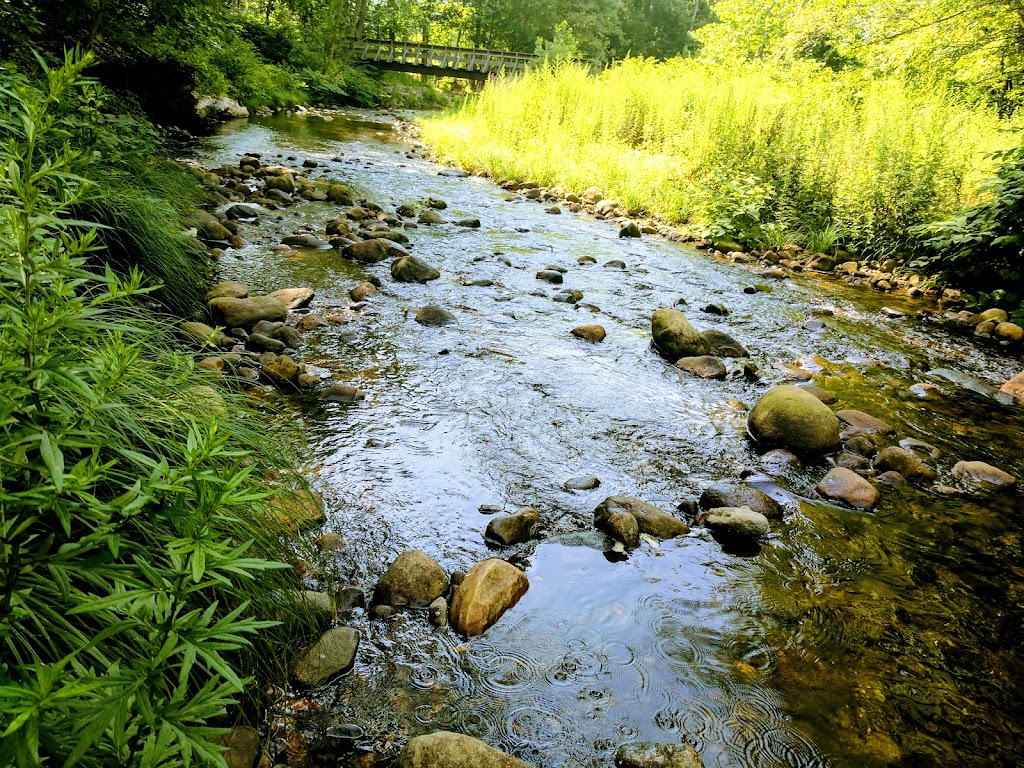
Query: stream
x=888, y=638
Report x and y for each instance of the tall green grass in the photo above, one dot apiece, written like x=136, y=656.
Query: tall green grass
x=732, y=149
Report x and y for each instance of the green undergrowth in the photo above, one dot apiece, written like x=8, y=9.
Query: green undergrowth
x=141, y=571
x=751, y=152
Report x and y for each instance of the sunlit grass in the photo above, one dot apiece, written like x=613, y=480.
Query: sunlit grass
x=868, y=158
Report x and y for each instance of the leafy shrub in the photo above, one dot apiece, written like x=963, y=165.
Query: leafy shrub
x=982, y=247
x=347, y=86
x=128, y=562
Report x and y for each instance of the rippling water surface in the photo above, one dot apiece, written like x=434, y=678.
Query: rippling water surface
x=851, y=639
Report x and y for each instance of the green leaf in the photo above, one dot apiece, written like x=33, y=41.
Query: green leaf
x=54, y=461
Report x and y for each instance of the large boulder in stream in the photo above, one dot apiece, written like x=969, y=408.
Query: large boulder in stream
x=245, y=313
x=674, y=337
x=489, y=589
x=414, y=578
x=410, y=269
x=444, y=749
x=792, y=418
x=650, y=520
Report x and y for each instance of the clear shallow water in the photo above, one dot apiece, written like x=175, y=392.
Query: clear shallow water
x=852, y=639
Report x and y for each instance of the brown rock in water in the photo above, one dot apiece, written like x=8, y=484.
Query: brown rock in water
x=1009, y=331
x=513, y=529
x=650, y=520
x=363, y=291
x=623, y=527
x=980, y=472
x=1015, y=387
x=846, y=485
x=864, y=421
x=293, y=298
x=729, y=493
x=903, y=461
x=703, y=366
x=231, y=289
x=592, y=332
x=410, y=269
x=413, y=578
x=822, y=394
x=489, y=589
x=366, y=251
x=433, y=316
x=444, y=749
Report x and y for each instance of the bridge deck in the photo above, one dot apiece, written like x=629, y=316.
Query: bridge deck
x=442, y=60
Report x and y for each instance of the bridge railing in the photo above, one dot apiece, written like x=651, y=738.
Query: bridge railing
x=449, y=57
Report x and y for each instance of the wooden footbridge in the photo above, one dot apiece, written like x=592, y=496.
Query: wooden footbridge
x=439, y=60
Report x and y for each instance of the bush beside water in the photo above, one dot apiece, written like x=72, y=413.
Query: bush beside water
x=138, y=558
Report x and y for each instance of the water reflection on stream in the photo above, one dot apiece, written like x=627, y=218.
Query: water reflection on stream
x=852, y=639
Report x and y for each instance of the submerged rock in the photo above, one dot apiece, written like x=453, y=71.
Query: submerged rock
x=444, y=749
x=656, y=754
x=903, y=461
x=703, y=366
x=723, y=345
x=414, y=578
x=342, y=393
x=489, y=589
x=793, y=418
x=674, y=337
x=846, y=485
x=980, y=472
x=333, y=654
x=650, y=520
x=864, y=421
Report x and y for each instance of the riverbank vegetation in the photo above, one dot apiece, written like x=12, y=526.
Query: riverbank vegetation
x=141, y=565
x=841, y=127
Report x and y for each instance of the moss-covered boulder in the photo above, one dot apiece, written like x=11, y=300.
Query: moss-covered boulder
x=245, y=313
x=793, y=418
x=674, y=337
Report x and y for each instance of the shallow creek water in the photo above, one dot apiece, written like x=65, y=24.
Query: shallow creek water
x=850, y=639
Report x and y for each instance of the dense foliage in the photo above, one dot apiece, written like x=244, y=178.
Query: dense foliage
x=982, y=247
x=134, y=556
x=766, y=155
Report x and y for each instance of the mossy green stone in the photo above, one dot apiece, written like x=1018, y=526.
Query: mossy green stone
x=674, y=336
x=793, y=418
